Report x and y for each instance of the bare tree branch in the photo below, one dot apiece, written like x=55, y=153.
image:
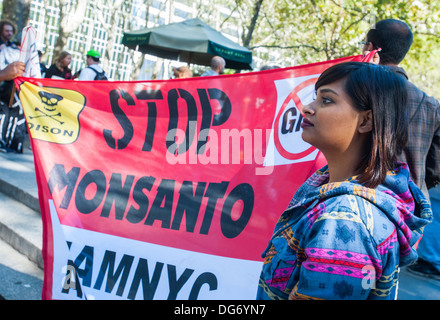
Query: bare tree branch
x=289, y=47
x=248, y=38
x=429, y=34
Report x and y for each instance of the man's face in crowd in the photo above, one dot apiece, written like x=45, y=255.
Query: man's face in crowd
x=7, y=33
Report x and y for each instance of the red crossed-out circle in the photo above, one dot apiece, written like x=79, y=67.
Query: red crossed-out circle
x=292, y=96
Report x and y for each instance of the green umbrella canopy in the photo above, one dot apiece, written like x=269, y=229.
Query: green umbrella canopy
x=191, y=41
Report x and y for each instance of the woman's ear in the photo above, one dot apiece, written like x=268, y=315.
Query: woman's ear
x=366, y=122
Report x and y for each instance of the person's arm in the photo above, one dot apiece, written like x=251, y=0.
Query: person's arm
x=13, y=70
x=341, y=260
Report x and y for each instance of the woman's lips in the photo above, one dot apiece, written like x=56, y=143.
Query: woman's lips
x=306, y=123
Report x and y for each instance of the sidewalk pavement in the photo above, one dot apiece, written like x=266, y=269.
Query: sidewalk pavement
x=21, y=227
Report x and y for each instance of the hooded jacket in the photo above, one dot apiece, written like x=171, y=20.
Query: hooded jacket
x=343, y=240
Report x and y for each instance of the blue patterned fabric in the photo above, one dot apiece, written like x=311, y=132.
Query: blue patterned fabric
x=343, y=240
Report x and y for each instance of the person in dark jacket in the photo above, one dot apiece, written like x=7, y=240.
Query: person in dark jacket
x=60, y=68
x=422, y=152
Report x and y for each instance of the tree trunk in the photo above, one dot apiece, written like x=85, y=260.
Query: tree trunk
x=247, y=39
x=67, y=24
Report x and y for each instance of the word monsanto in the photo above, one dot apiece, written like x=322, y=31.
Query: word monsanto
x=114, y=192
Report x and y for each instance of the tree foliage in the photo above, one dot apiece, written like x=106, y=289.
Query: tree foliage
x=280, y=32
x=298, y=32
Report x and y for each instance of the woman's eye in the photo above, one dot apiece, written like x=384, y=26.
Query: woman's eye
x=326, y=100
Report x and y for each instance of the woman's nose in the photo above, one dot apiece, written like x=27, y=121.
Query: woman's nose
x=308, y=109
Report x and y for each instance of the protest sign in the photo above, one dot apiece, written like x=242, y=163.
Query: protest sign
x=165, y=189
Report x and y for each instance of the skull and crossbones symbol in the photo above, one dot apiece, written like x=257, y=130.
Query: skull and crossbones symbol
x=50, y=101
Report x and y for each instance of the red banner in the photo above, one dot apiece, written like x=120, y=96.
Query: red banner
x=165, y=189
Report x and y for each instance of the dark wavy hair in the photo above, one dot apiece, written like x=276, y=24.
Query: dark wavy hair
x=376, y=88
x=4, y=23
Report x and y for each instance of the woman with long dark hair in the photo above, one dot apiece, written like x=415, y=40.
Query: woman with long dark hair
x=353, y=223
x=60, y=68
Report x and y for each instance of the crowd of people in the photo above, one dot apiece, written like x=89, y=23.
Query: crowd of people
x=10, y=67
x=377, y=201
x=12, y=123
x=60, y=68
